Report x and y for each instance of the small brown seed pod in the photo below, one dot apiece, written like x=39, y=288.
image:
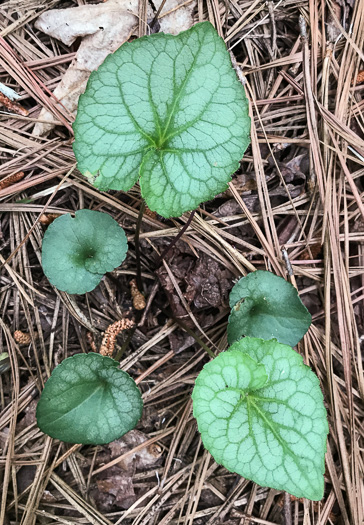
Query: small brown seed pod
x=22, y=338
x=47, y=218
x=138, y=298
x=359, y=78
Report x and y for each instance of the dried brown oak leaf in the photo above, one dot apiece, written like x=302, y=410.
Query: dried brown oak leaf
x=103, y=28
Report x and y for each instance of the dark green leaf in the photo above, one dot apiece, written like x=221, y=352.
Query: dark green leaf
x=266, y=306
x=77, y=252
x=89, y=400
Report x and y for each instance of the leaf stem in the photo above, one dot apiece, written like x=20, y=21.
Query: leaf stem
x=138, y=274
x=137, y=246
x=120, y=353
x=178, y=236
x=190, y=332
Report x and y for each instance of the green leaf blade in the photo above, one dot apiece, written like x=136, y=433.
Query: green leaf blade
x=162, y=106
x=89, y=400
x=266, y=306
x=77, y=252
x=273, y=431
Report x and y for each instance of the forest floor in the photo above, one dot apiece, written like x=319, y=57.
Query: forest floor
x=295, y=203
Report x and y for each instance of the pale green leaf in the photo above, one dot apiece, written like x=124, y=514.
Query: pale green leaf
x=89, y=400
x=169, y=109
x=260, y=413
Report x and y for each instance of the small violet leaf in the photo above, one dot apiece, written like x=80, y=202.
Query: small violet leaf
x=77, y=252
x=267, y=306
x=170, y=110
x=89, y=400
x=261, y=414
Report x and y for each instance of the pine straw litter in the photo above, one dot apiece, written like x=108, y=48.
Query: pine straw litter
x=295, y=207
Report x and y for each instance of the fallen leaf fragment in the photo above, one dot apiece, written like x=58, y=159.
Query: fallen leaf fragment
x=333, y=30
x=120, y=487
x=142, y=458
x=314, y=252
x=150, y=213
x=179, y=19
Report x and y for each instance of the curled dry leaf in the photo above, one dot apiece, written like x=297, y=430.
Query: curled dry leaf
x=208, y=284
x=103, y=29
x=204, y=282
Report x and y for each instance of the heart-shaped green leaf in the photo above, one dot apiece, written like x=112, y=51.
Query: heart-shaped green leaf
x=169, y=109
x=260, y=413
x=266, y=306
x=77, y=252
x=89, y=400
